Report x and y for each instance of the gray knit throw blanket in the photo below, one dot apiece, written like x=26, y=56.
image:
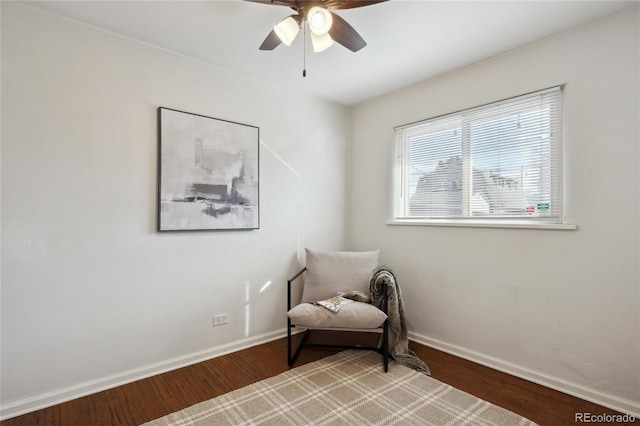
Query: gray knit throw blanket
x=398, y=340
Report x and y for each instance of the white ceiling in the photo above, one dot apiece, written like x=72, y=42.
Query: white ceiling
x=408, y=40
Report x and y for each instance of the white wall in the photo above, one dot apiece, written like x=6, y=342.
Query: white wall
x=560, y=307
x=92, y=295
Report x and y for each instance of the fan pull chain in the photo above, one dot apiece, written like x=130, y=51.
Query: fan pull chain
x=304, y=58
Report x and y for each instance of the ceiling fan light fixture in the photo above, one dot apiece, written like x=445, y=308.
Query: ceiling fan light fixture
x=287, y=30
x=320, y=20
x=321, y=42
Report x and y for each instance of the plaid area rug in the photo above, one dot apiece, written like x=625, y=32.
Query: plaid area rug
x=352, y=388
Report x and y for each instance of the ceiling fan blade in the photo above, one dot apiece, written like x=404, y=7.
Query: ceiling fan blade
x=349, y=4
x=271, y=42
x=343, y=33
x=288, y=3
x=327, y=4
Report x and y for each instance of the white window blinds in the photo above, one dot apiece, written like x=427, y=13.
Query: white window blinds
x=501, y=161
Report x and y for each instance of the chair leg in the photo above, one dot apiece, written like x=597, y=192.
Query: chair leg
x=292, y=355
x=289, y=360
x=385, y=346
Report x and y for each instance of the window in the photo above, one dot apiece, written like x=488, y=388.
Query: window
x=497, y=163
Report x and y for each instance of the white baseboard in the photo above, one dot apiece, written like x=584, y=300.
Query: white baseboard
x=622, y=405
x=27, y=405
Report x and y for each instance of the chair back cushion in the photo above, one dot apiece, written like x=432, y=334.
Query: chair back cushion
x=330, y=272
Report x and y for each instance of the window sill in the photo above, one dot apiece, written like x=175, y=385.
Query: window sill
x=484, y=224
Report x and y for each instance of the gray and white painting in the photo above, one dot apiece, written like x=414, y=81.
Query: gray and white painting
x=208, y=173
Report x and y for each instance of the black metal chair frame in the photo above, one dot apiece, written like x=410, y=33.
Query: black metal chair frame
x=292, y=353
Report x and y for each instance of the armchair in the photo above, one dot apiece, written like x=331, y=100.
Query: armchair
x=331, y=274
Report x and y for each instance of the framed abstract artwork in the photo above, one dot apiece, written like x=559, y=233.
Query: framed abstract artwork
x=208, y=173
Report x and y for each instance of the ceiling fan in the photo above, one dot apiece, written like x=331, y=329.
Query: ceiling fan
x=325, y=26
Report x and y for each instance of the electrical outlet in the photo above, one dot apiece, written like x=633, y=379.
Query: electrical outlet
x=220, y=319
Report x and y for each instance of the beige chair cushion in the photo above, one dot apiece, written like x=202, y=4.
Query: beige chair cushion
x=330, y=272
x=353, y=315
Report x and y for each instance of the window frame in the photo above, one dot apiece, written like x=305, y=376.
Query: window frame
x=401, y=192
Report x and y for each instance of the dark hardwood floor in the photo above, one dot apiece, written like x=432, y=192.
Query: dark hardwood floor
x=157, y=396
